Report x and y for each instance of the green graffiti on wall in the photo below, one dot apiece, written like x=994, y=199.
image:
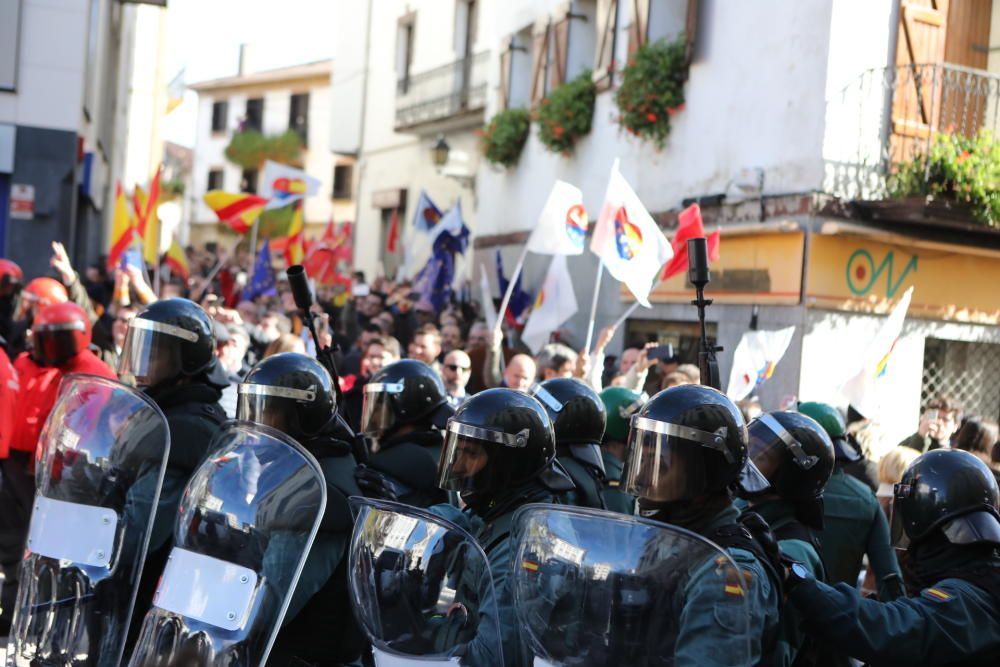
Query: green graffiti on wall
x=862, y=273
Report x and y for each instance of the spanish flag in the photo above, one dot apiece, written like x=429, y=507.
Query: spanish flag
x=295, y=251
x=148, y=222
x=122, y=229
x=177, y=260
x=237, y=211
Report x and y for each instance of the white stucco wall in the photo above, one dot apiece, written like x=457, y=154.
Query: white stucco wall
x=391, y=160
x=51, y=66
x=754, y=99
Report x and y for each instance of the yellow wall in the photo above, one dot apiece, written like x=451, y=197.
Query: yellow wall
x=855, y=273
x=778, y=255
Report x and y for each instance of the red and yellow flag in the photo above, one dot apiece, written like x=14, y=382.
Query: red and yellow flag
x=122, y=229
x=148, y=222
x=238, y=211
x=295, y=250
x=176, y=259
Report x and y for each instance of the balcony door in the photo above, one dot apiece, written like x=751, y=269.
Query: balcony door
x=940, y=84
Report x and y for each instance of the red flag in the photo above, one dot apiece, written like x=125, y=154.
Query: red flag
x=689, y=227
x=393, y=239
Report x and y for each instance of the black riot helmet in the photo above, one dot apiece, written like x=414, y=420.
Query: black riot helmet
x=290, y=392
x=404, y=392
x=685, y=443
x=498, y=439
x=170, y=339
x=950, y=490
x=796, y=456
x=576, y=410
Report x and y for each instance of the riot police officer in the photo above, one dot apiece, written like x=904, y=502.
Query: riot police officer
x=795, y=455
x=945, y=514
x=578, y=418
x=620, y=404
x=853, y=522
x=687, y=449
x=169, y=353
x=405, y=406
x=499, y=455
x=294, y=394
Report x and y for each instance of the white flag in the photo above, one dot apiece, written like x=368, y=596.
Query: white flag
x=489, y=310
x=628, y=239
x=863, y=390
x=562, y=226
x=555, y=303
x=284, y=185
x=755, y=358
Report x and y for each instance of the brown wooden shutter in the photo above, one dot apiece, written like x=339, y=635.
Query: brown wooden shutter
x=920, y=45
x=965, y=94
x=560, y=47
x=539, y=59
x=506, y=57
x=691, y=28
x=607, y=26
x=638, y=31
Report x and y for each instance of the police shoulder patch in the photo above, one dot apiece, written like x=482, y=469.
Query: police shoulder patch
x=936, y=594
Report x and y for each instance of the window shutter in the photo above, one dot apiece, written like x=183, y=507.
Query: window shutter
x=506, y=53
x=691, y=29
x=638, y=31
x=539, y=59
x=607, y=26
x=920, y=41
x=560, y=47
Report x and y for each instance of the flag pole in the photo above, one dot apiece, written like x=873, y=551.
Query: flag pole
x=593, y=306
x=627, y=314
x=510, y=289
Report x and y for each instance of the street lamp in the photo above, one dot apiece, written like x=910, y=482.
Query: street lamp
x=439, y=152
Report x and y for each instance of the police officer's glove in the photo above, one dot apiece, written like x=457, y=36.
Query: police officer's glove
x=374, y=484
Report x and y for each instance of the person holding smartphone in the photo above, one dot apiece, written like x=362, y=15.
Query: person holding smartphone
x=938, y=423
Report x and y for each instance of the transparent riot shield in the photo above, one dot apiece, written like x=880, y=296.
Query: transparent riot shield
x=245, y=525
x=598, y=589
x=422, y=588
x=101, y=458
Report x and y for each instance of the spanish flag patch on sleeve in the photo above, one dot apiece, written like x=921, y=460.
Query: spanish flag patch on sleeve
x=936, y=594
x=529, y=565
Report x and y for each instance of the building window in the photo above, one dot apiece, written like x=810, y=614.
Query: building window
x=342, y=177
x=404, y=51
x=248, y=182
x=10, y=26
x=604, y=54
x=255, y=115
x=466, y=24
x=298, y=116
x=220, y=111
x=216, y=179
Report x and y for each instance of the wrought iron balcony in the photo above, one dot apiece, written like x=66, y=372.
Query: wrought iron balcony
x=891, y=115
x=450, y=90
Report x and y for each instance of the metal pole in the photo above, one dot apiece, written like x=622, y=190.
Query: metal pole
x=593, y=306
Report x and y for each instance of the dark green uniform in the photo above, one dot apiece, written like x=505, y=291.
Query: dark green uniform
x=319, y=626
x=953, y=622
x=409, y=462
x=854, y=525
x=793, y=539
x=696, y=642
x=589, y=481
x=614, y=495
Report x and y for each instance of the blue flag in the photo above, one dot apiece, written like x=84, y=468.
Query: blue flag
x=520, y=301
x=262, y=280
x=434, y=282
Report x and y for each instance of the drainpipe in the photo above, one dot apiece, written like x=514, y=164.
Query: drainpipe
x=361, y=132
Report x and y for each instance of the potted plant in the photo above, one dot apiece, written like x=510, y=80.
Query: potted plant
x=566, y=113
x=652, y=89
x=504, y=136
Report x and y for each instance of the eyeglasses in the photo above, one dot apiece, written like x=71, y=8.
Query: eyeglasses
x=454, y=368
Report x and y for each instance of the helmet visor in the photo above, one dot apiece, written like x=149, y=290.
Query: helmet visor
x=152, y=352
x=665, y=463
x=770, y=444
x=57, y=343
x=271, y=405
x=897, y=526
x=377, y=414
x=464, y=462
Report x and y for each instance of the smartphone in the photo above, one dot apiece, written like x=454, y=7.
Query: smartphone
x=661, y=352
x=361, y=289
x=931, y=415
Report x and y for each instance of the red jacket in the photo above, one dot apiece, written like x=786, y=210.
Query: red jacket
x=39, y=387
x=9, y=389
